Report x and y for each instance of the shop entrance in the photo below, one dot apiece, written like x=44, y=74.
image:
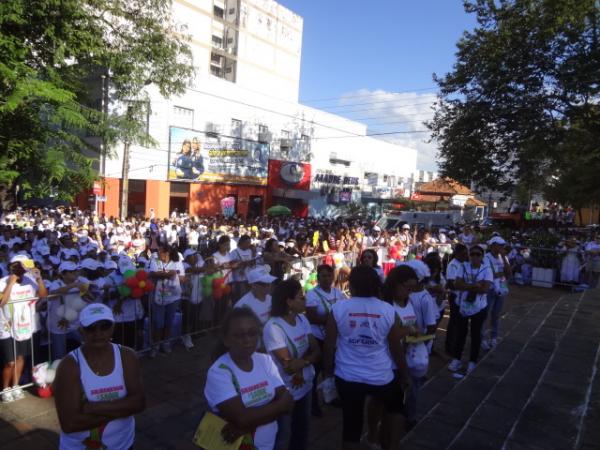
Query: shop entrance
x=179, y=197
x=255, y=206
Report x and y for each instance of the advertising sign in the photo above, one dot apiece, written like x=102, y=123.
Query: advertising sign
x=195, y=156
x=289, y=175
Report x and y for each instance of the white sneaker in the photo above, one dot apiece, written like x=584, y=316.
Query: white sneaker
x=187, y=341
x=7, y=396
x=17, y=393
x=493, y=342
x=485, y=345
x=165, y=347
x=455, y=365
x=471, y=367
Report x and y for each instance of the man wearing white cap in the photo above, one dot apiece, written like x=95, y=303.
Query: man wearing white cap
x=19, y=290
x=496, y=259
x=259, y=298
x=98, y=387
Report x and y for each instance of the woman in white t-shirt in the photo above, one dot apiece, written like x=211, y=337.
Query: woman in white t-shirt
x=318, y=306
x=19, y=292
x=167, y=272
x=243, y=386
x=592, y=252
x=287, y=337
x=476, y=280
x=363, y=336
x=399, y=284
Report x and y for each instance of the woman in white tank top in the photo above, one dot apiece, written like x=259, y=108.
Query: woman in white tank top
x=107, y=377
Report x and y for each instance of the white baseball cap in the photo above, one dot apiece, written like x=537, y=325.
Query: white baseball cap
x=260, y=275
x=94, y=313
x=20, y=258
x=406, y=226
x=188, y=252
x=420, y=268
x=110, y=265
x=496, y=240
x=90, y=264
x=67, y=266
x=376, y=228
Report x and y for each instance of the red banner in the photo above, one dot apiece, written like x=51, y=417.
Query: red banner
x=289, y=175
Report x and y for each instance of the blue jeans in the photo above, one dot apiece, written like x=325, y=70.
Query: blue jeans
x=410, y=405
x=292, y=432
x=58, y=343
x=163, y=315
x=495, y=303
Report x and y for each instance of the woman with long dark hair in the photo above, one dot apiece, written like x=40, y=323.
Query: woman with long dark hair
x=287, y=337
x=243, y=386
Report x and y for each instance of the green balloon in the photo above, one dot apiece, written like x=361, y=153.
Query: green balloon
x=129, y=273
x=125, y=291
x=308, y=286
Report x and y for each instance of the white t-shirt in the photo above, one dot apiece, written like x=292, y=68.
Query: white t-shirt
x=195, y=281
x=323, y=301
x=454, y=271
x=17, y=319
x=238, y=254
x=363, y=354
x=225, y=380
x=496, y=263
x=426, y=309
x=167, y=290
x=280, y=334
x=261, y=308
x=221, y=259
x=472, y=275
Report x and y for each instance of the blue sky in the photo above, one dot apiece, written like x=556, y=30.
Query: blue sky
x=361, y=51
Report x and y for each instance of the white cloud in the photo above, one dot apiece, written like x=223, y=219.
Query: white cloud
x=386, y=112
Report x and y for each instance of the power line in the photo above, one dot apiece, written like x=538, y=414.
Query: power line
x=370, y=94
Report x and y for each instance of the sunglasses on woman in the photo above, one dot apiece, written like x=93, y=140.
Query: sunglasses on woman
x=102, y=325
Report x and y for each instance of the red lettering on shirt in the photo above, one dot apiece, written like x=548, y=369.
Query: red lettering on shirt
x=107, y=390
x=373, y=316
x=254, y=387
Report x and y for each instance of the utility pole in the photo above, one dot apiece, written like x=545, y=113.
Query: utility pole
x=125, y=174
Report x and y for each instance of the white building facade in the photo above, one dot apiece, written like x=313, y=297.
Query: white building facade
x=239, y=126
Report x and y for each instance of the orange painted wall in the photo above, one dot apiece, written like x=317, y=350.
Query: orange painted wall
x=157, y=197
x=110, y=189
x=205, y=199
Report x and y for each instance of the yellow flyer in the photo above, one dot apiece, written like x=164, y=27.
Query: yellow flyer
x=208, y=434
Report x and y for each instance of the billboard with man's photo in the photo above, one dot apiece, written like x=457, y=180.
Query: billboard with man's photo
x=196, y=156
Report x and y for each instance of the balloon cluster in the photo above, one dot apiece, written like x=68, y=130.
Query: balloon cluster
x=135, y=284
x=311, y=282
x=214, y=285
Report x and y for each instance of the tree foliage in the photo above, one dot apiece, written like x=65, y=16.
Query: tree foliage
x=52, y=55
x=520, y=106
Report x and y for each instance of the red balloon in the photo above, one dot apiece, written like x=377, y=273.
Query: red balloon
x=218, y=282
x=226, y=289
x=217, y=294
x=141, y=275
x=137, y=292
x=132, y=282
x=149, y=286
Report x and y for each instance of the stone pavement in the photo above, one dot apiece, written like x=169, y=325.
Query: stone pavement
x=538, y=389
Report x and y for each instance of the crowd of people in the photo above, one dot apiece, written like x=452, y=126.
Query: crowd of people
x=303, y=306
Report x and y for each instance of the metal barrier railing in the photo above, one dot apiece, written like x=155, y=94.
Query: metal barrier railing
x=198, y=312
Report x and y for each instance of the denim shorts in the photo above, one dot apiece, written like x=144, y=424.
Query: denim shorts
x=163, y=315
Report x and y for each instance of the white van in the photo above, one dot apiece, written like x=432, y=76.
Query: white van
x=428, y=220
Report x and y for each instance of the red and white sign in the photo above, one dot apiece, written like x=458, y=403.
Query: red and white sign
x=415, y=196
x=289, y=175
x=97, y=189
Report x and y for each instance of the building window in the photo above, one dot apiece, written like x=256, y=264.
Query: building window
x=263, y=134
x=183, y=117
x=285, y=134
x=217, y=41
x=236, y=128
x=218, y=12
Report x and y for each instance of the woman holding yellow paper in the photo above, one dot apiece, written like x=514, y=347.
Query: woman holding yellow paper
x=244, y=387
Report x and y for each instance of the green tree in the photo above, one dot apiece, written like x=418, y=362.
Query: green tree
x=520, y=106
x=52, y=55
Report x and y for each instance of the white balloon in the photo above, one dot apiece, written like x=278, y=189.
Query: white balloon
x=71, y=314
x=60, y=311
x=50, y=375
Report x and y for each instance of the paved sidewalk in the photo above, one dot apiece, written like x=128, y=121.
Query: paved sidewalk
x=175, y=402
